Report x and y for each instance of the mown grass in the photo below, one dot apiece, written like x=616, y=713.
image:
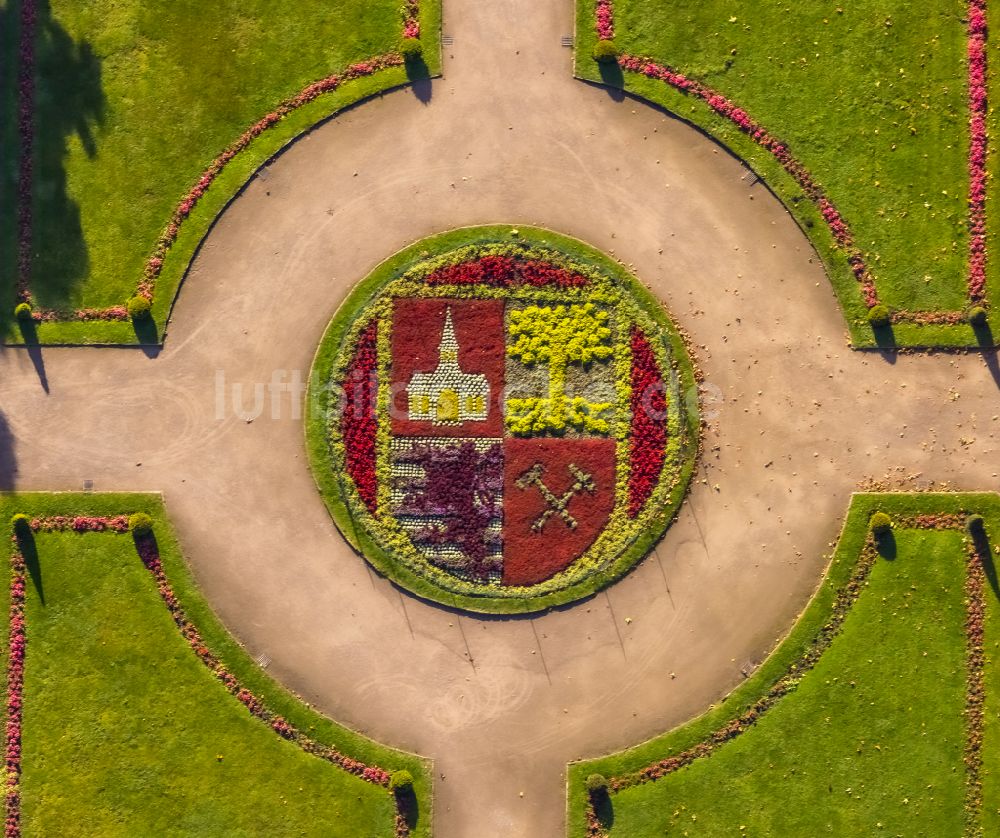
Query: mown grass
x=134, y=101
x=872, y=738
x=870, y=96
x=127, y=732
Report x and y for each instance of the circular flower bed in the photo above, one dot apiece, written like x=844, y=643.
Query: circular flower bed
x=502, y=420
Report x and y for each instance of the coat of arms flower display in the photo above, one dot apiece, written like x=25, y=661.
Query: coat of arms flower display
x=504, y=420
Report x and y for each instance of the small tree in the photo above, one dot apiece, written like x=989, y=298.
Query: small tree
x=879, y=315
x=605, y=52
x=140, y=523
x=976, y=316
x=411, y=49
x=22, y=311
x=401, y=782
x=138, y=307
x=597, y=785
x=21, y=525
x=880, y=523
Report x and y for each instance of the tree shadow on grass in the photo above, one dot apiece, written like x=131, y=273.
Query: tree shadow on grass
x=885, y=543
x=604, y=810
x=981, y=542
x=68, y=101
x=29, y=550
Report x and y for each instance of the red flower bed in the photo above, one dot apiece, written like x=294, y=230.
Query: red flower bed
x=15, y=694
x=358, y=422
x=648, y=436
x=505, y=272
x=977, y=150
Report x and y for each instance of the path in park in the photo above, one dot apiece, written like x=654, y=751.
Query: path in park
x=502, y=704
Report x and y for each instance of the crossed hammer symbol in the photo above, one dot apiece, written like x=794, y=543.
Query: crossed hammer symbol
x=583, y=482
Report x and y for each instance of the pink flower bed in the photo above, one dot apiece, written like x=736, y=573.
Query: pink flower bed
x=149, y=554
x=605, y=14
x=977, y=150
x=15, y=695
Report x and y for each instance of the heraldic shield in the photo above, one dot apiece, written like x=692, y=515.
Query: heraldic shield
x=503, y=467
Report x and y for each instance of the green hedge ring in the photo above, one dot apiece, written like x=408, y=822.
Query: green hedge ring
x=502, y=419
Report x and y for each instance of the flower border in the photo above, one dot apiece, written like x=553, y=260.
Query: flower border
x=533, y=267
x=154, y=264
x=845, y=598
x=148, y=553
x=604, y=26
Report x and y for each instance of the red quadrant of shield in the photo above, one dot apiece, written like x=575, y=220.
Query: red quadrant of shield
x=546, y=480
x=417, y=327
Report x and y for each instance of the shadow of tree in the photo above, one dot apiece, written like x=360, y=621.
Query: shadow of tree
x=8, y=458
x=68, y=102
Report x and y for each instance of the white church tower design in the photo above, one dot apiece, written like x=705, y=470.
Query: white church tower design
x=448, y=396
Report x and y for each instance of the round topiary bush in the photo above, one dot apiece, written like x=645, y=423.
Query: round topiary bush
x=21, y=523
x=880, y=523
x=22, y=311
x=976, y=316
x=411, y=49
x=596, y=785
x=879, y=315
x=605, y=52
x=975, y=525
x=401, y=781
x=140, y=523
x=138, y=308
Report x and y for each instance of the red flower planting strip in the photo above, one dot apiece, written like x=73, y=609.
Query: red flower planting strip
x=648, y=440
x=358, y=424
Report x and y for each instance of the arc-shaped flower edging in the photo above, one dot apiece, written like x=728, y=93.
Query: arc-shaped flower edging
x=911, y=329
x=856, y=553
x=410, y=820
x=252, y=149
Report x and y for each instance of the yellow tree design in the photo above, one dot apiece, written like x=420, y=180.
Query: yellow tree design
x=557, y=337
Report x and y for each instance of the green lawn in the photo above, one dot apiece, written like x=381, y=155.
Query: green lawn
x=870, y=96
x=135, y=100
x=871, y=739
x=126, y=732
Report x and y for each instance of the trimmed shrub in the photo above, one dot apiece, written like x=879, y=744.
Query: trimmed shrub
x=605, y=52
x=976, y=316
x=596, y=785
x=22, y=311
x=21, y=524
x=411, y=49
x=880, y=523
x=975, y=525
x=401, y=781
x=138, y=308
x=879, y=315
x=140, y=523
